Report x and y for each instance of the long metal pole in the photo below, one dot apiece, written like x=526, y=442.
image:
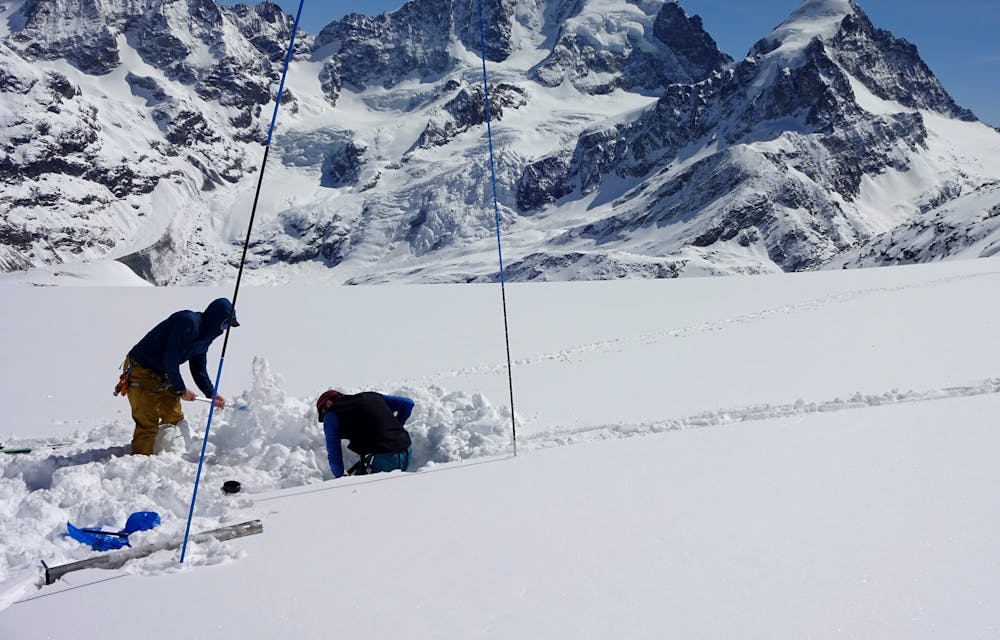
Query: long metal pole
x=239, y=276
x=496, y=215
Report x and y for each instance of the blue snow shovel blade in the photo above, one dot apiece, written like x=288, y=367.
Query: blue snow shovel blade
x=110, y=540
x=141, y=521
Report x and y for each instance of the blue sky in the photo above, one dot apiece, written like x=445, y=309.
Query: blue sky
x=957, y=39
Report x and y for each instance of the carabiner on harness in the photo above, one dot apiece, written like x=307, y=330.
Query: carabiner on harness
x=122, y=387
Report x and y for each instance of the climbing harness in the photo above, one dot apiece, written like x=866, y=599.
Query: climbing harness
x=121, y=389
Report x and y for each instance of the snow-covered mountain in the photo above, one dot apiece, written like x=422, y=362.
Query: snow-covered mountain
x=627, y=144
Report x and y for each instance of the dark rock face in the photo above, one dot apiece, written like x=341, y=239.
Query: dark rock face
x=412, y=42
x=236, y=79
x=382, y=50
x=468, y=109
x=185, y=128
x=225, y=85
x=159, y=47
x=267, y=28
x=897, y=74
x=497, y=18
x=331, y=81
x=89, y=43
x=147, y=88
x=542, y=182
x=342, y=164
x=85, y=32
x=686, y=37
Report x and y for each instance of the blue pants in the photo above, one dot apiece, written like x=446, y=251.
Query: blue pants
x=383, y=462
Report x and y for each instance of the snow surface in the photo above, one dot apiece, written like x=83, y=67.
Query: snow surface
x=786, y=456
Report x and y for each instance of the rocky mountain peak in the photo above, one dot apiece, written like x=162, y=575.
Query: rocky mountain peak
x=838, y=32
x=686, y=36
x=814, y=19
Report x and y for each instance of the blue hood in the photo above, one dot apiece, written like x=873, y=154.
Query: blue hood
x=218, y=311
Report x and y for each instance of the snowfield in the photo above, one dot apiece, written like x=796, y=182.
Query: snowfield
x=777, y=456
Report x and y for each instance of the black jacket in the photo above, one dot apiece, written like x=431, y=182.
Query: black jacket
x=367, y=421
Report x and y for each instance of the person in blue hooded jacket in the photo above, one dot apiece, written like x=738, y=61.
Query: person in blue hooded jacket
x=155, y=386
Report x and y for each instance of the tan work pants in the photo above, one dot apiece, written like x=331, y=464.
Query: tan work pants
x=153, y=403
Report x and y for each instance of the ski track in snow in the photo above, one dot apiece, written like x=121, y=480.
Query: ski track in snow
x=564, y=436
x=655, y=337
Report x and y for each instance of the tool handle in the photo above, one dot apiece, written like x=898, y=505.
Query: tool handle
x=228, y=406
x=106, y=533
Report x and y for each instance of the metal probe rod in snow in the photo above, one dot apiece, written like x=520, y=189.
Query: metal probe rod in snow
x=496, y=214
x=239, y=275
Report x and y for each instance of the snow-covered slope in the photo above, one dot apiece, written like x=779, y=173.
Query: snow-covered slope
x=811, y=454
x=967, y=226
x=627, y=144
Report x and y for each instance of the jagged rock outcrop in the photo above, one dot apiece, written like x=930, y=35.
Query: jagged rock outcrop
x=468, y=109
x=412, y=42
x=643, y=46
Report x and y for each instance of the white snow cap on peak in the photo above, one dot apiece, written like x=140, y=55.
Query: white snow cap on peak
x=824, y=8
x=815, y=18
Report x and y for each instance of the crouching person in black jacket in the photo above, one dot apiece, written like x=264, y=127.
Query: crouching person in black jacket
x=373, y=425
